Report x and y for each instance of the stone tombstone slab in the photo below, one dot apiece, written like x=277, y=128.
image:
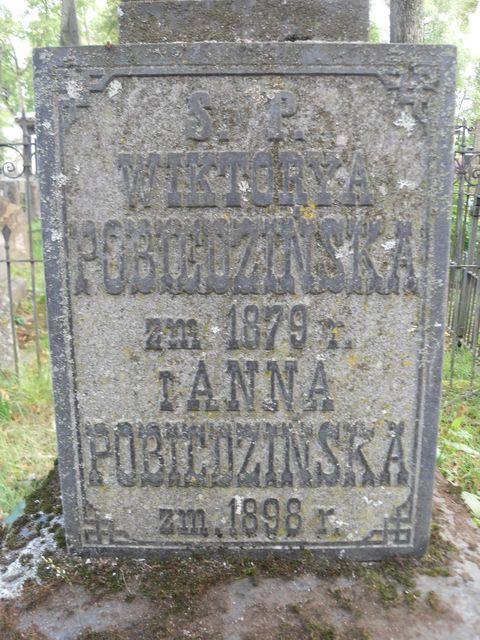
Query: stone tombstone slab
x=246, y=258
x=289, y=20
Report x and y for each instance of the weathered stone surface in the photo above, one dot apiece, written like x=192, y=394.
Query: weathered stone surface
x=442, y=592
x=224, y=20
x=246, y=254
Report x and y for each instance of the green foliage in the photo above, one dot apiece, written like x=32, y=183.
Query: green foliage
x=471, y=93
x=374, y=33
x=104, y=24
x=39, y=26
x=458, y=454
x=473, y=503
x=27, y=436
x=447, y=22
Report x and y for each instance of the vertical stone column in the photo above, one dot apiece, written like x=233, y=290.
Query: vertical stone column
x=233, y=20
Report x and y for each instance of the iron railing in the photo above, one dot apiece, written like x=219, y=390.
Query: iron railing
x=18, y=165
x=464, y=287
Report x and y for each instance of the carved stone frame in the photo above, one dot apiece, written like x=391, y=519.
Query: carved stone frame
x=420, y=75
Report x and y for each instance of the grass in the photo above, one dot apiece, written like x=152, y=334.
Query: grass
x=27, y=435
x=458, y=454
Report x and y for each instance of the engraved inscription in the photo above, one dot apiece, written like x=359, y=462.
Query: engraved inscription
x=279, y=256
x=244, y=280
x=237, y=178
x=259, y=454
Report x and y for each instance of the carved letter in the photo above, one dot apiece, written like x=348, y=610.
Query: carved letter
x=402, y=258
x=230, y=162
x=357, y=190
x=201, y=127
x=324, y=166
x=86, y=245
x=99, y=431
x=143, y=276
x=201, y=387
x=262, y=160
x=395, y=456
x=319, y=386
x=356, y=455
x=151, y=457
x=289, y=160
x=113, y=257
x=286, y=391
x=374, y=282
x=248, y=390
x=126, y=475
x=134, y=180
x=283, y=104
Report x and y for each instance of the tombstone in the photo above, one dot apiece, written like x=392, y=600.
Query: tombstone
x=15, y=218
x=10, y=190
x=246, y=259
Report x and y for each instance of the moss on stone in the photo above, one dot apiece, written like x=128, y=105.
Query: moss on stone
x=343, y=601
x=42, y=502
x=46, y=495
x=178, y=583
x=433, y=601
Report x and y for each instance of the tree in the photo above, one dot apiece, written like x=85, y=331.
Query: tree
x=69, y=26
x=39, y=26
x=406, y=20
x=448, y=22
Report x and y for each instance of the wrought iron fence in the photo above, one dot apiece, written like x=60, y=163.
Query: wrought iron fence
x=18, y=174
x=464, y=287
x=463, y=317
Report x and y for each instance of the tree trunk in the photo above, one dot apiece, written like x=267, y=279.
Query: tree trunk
x=69, y=25
x=406, y=21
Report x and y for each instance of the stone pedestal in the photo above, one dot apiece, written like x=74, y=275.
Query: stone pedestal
x=233, y=20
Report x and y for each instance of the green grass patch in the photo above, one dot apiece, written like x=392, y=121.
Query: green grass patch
x=458, y=453
x=27, y=435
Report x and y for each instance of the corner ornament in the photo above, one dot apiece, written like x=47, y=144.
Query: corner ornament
x=415, y=87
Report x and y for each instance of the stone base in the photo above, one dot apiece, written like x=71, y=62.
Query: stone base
x=435, y=598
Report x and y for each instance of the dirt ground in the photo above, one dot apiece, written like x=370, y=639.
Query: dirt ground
x=364, y=602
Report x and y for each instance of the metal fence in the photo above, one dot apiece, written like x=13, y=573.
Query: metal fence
x=17, y=165
x=18, y=177
x=464, y=288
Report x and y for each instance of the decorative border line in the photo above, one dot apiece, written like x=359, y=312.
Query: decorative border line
x=65, y=371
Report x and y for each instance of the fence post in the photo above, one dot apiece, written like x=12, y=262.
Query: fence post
x=6, y=238
x=28, y=128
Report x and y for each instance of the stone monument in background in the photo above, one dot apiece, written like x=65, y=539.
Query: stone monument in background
x=246, y=258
